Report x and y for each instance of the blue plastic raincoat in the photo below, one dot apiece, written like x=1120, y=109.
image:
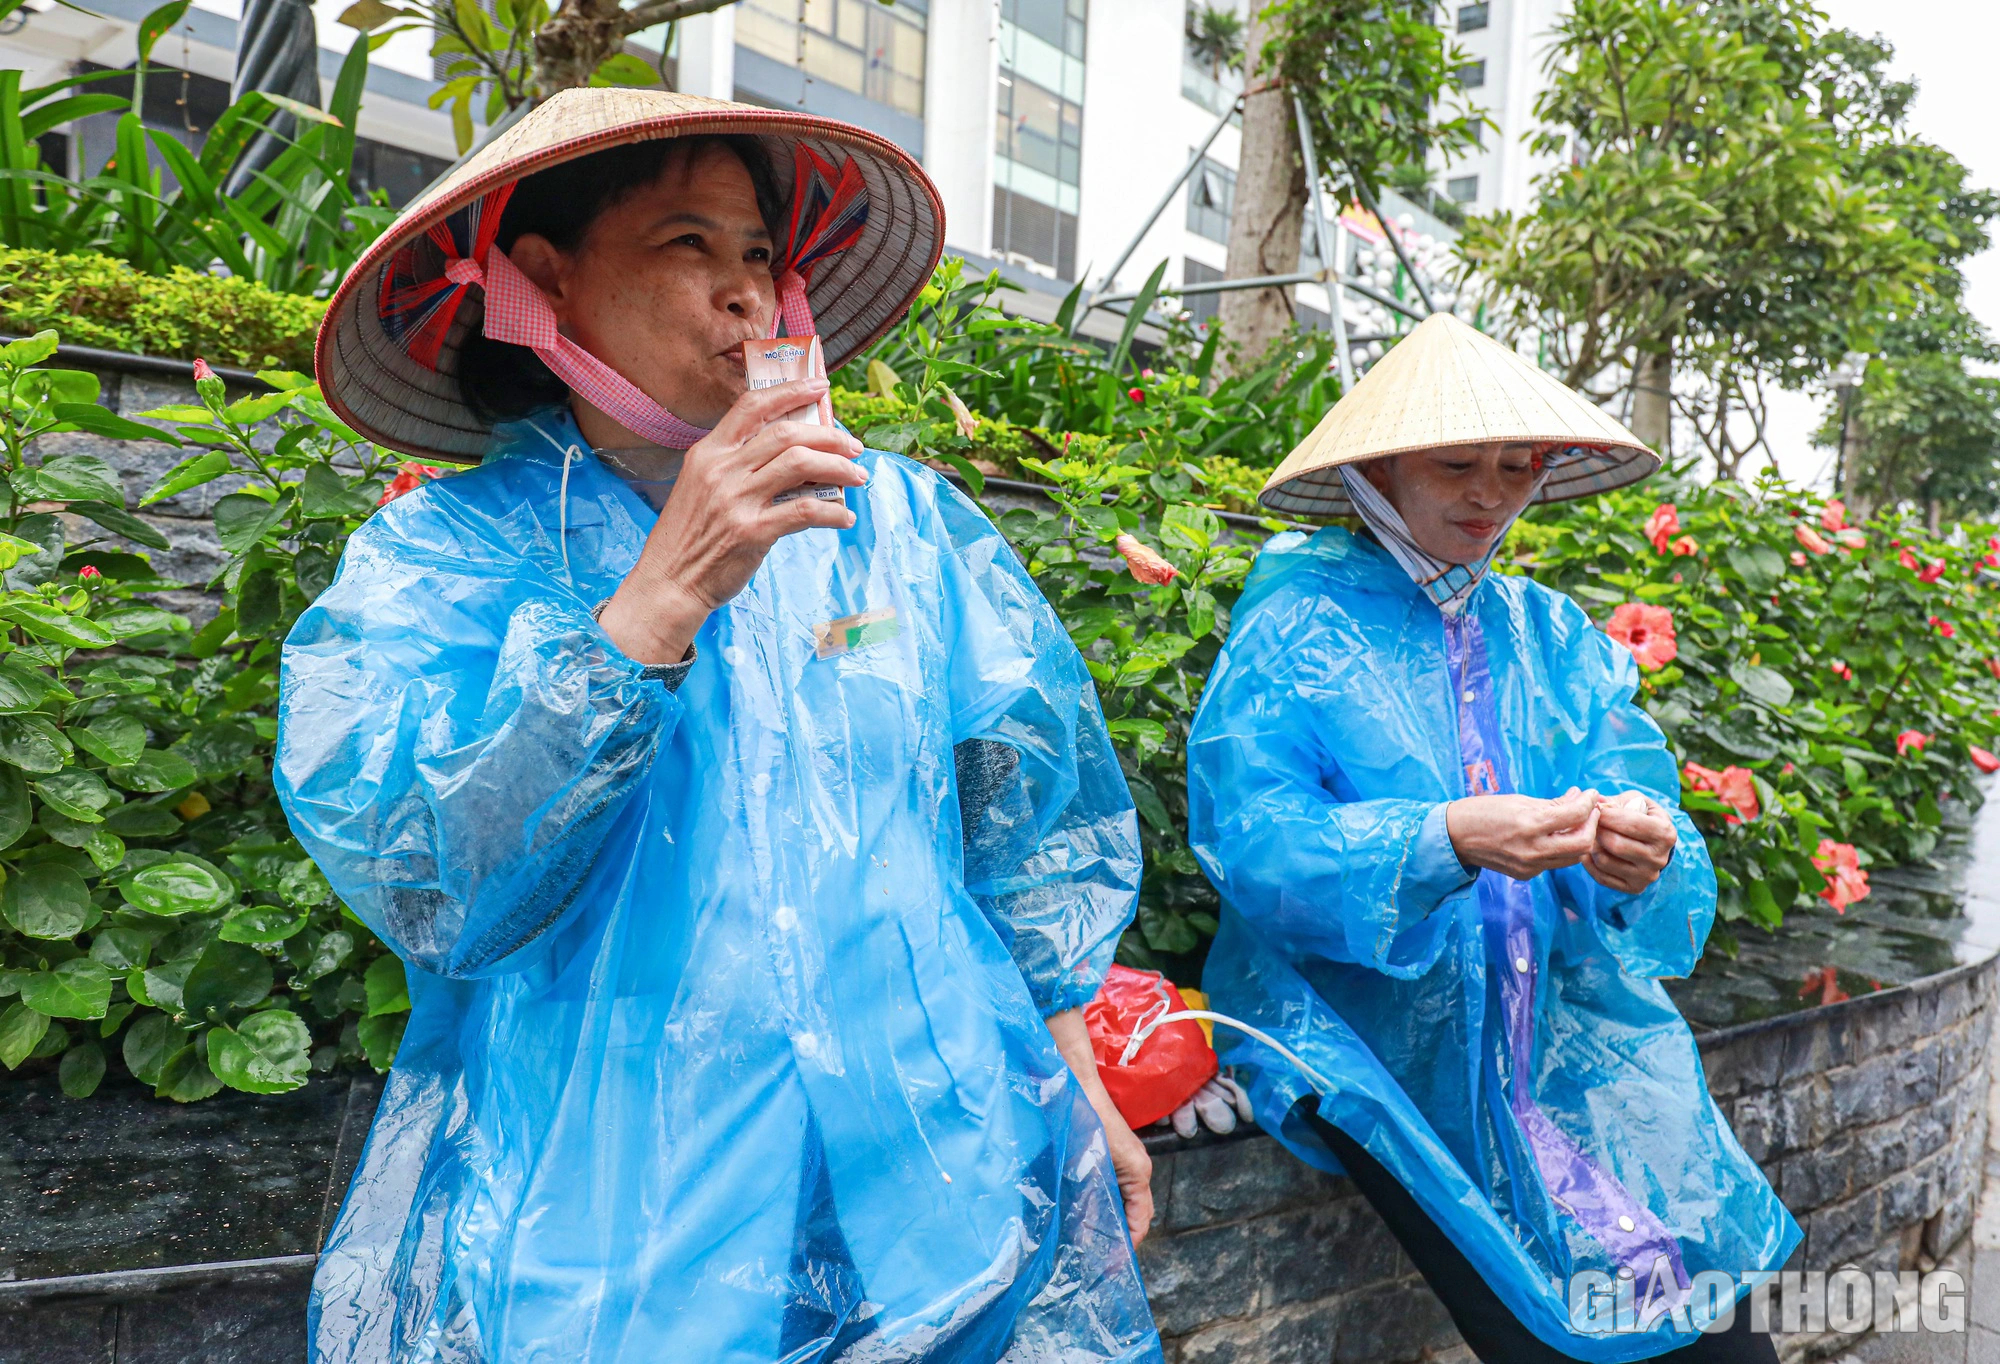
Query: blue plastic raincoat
x=1508, y=1053
x=726, y=1039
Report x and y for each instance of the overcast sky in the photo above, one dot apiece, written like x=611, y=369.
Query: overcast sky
x=1949, y=47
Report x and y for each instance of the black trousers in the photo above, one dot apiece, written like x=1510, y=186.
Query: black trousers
x=1493, y=1332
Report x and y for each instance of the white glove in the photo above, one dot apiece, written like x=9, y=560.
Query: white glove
x=1216, y=1106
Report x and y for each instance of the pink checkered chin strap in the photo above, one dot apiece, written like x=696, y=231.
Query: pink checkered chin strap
x=829, y=211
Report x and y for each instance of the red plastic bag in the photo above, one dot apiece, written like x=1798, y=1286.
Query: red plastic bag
x=1171, y=1064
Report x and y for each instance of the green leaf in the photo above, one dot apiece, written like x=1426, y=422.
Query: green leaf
x=49, y=622
x=325, y=496
x=227, y=976
x=23, y=688
x=33, y=744
x=156, y=770
x=898, y=438
x=13, y=549
x=151, y=1039
x=102, y=421
x=267, y=1053
x=623, y=68
x=183, y=884
x=186, y=1078
x=305, y=884
x=16, y=814
x=243, y=519
x=82, y=1069
x=114, y=740
x=219, y=749
x=30, y=350
x=120, y=947
x=77, y=792
x=333, y=949
x=77, y=988
x=312, y=570
x=1760, y=566
x=46, y=900
x=259, y=602
x=21, y=1030
x=160, y=985
x=180, y=412
x=158, y=23
x=142, y=820
x=380, y=1037
x=257, y=407
x=69, y=478
x=1763, y=685
x=261, y=923
x=192, y=472
x=129, y=622
x=388, y=990
x=120, y=522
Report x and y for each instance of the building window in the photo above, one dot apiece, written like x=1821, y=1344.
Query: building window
x=872, y=49
x=1471, y=18
x=1208, y=76
x=1200, y=307
x=1038, y=134
x=1211, y=190
x=1029, y=232
x=1462, y=189
x=1472, y=75
x=1038, y=129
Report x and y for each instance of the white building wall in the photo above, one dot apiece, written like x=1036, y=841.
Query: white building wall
x=706, y=61
x=960, y=64
x=1514, y=45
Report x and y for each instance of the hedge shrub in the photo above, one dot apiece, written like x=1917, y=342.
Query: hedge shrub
x=98, y=301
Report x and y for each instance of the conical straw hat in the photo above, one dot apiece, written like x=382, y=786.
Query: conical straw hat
x=1446, y=384
x=410, y=401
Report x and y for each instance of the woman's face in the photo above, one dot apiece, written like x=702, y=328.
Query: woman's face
x=665, y=287
x=1457, y=500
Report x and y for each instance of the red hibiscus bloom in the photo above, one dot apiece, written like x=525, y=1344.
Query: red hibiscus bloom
x=1648, y=631
x=1842, y=671
x=1685, y=546
x=408, y=479
x=1911, y=738
x=1852, y=539
x=1943, y=627
x=1984, y=760
x=1846, y=883
x=1137, y=395
x=88, y=571
x=1907, y=559
x=1931, y=574
x=1146, y=566
x=1663, y=525
x=1732, y=786
x=1798, y=558
x=1812, y=539
x=1993, y=666
x=1834, y=515
x=201, y=370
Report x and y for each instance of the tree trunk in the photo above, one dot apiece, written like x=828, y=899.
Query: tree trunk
x=1268, y=213
x=1652, y=400
x=575, y=42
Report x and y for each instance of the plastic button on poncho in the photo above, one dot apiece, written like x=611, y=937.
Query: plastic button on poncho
x=1508, y=1053
x=725, y=1039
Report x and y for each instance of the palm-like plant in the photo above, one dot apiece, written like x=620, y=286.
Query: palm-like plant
x=1215, y=36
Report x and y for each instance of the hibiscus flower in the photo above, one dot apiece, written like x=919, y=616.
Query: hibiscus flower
x=1907, y=559
x=1834, y=515
x=1732, y=786
x=408, y=479
x=1931, y=574
x=1826, y=980
x=1842, y=671
x=1685, y=546
x=201, y=370
x=1983, y=759
x=1146, y=565
x=1663, y=525
x=1943, y=627
x=1811, y=539
x=1798, y=558
x=1846, y=883
x=1911, y=738
x=1648, y=631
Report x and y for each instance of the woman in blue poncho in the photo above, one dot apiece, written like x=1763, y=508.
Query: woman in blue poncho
x=1454, y=871
x=744, y=816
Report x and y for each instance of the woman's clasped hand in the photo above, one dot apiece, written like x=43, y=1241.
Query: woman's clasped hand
x=1624, y=840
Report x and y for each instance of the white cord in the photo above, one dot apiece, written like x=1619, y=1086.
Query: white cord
x=562, y=515
x=1319, y=1082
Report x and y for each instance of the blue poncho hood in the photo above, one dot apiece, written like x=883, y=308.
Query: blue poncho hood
x=1507, y=1053
x=726, y=1038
